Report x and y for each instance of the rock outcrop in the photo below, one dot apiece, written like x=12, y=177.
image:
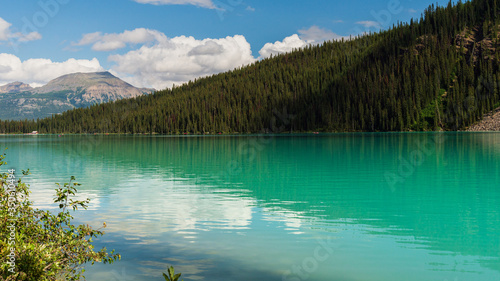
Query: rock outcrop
x=490, y=122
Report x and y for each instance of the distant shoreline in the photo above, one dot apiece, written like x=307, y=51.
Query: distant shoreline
x=490, y=123
x=469, y=130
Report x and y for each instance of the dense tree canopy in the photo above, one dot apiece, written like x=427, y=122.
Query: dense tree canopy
x=436, y=72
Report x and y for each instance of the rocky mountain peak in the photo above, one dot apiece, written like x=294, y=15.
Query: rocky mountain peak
x=15, y=87
x=63, y=93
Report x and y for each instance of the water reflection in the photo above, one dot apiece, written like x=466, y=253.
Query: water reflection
x=263, y=203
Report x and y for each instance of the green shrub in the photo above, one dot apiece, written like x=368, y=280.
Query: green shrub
x=46, y=246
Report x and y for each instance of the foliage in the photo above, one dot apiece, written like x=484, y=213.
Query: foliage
x=387, y=81
x=47, y=246
x=171, y=275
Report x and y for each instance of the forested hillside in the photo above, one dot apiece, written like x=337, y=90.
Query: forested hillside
x=436, y=72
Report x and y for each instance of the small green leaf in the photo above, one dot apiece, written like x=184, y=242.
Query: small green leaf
x=171, y=272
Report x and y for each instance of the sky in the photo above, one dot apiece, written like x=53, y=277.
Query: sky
x=161, y=43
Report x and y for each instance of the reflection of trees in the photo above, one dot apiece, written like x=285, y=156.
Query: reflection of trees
x=449, y=203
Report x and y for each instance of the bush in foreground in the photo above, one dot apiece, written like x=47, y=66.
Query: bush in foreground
x=39, y=245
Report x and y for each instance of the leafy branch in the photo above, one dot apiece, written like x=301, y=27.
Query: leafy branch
x=47, y=246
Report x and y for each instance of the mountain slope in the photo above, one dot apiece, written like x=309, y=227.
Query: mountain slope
x=15, y=87
x=92, y=87
x=439, y=72
x=67, y=92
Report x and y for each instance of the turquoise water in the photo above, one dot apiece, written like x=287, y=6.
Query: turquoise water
x=346, y=207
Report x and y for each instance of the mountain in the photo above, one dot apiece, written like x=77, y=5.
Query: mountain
x=15, y=87
x=436, y=72
x=64, y=93
x=89, y=88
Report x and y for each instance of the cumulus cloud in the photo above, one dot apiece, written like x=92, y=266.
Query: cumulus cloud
x=312, y=36
x=200, y=3
x=6, y=33
x=162, y=62
x=287, y=45
x=369, y=24
x=37, y=72
x=180, y=59
x=114, y=41
x=159, y=62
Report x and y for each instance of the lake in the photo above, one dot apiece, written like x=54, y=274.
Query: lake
x=341, y=207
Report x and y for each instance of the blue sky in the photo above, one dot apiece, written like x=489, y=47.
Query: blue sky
x=158, y=43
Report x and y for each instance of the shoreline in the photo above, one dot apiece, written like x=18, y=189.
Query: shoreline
x=468, y=130
x=489, y=123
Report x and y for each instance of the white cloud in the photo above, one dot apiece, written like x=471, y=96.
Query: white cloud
x=317, y=35
x=33, y=36
x=412, y=11
x=6, y=34
x=37, y=72
x=250, y=9
x=114, y=41
x=4, y=30
x=165, y=61
x=287, y=45
x=200, y=3
x=89, y=38
x=312, y=36
x=180, y=59
x=369, y=24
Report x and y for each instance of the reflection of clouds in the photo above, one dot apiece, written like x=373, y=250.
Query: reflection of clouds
x=152, y=205
x=293, y=220
x=43, y=195
x=142, y=206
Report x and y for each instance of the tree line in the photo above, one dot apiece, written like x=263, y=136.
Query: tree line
x=437, y=72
